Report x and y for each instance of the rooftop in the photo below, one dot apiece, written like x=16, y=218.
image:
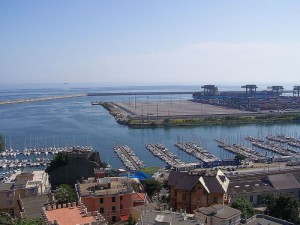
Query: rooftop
x=33, y=206
x=72, y=215
x=155, y=217
x=219, y=211
x=104, y=186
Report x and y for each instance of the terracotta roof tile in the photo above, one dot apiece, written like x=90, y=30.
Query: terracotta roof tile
x=68, y=216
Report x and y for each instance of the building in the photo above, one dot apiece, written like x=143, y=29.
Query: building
x=254, y=186
x=71, y=214
x=153, y=217
x=218, y=215
x=197, y=188
x=111, y=196
x=20, y=186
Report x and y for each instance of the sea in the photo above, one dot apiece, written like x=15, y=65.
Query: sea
x=76, y=122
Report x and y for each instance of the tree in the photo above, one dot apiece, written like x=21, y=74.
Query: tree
x=25, y=221
x=244, y=206
x=59, y=160
x=65, y=194
x=2, y=143
x=5, y=218
x=285, y=206
x=151, y=186
x=239, y=157
x=130, y=221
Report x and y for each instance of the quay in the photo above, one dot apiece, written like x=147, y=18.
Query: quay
x=274, y=147
x=242, y=150
x=40, y=99
x=197, y=151
x=129, y=158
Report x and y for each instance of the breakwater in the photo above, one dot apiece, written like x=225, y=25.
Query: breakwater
x=40, y=99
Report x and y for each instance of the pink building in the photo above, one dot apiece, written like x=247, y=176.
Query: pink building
x=111, y=196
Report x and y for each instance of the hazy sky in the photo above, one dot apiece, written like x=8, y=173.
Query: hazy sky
x=150, y=41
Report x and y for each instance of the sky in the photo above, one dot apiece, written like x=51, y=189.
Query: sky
x=150, y=41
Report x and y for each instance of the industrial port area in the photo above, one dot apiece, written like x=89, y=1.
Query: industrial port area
x=210, y=102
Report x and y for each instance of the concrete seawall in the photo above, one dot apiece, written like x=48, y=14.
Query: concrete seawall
x=40, y=99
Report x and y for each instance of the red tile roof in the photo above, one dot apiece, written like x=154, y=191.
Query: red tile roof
x=68, y=216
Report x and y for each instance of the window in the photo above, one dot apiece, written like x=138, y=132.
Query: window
x=113, y=218
x=101, y=200
x=113, y=199
x=251, y=198
x=101, y=210
x=121, y=198
x=121, y=206
x=215, y=200
x=113, y=208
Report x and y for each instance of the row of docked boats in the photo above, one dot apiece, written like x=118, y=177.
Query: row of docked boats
x=164, y=154
x=197, y=151
x=35, y=151
x=129, y=158
x=273, y=146
x=241, y=150
x=16, y=163
x=285, y=139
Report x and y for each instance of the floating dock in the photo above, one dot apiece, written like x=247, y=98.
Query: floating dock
x=242, y=150
x=274, y=147
x=285, y=139
x=129, y=158
x=197, y=151
x=168, y=157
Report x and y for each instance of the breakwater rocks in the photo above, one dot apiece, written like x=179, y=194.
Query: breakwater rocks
x=39, y=99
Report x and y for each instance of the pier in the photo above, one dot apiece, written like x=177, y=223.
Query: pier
x=274, y=147
x=285, y=139
x=241, y=150
x=160, y=151
x=129, y=158
x=197, y=151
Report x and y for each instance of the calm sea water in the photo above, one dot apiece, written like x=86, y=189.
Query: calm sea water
x=74, y=121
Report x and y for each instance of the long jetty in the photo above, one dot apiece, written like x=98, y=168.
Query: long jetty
x=272, y=146
x=197, y=151
x=129, y=158
x=242, y=150
x=40, y=99
x=141, y=93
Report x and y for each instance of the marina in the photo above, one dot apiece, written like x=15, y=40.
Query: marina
x=273, y=146
x=129, y=158
x=241, y=150
x=33, y=157
x=197, y=151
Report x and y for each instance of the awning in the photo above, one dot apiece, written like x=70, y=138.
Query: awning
x=124, y=218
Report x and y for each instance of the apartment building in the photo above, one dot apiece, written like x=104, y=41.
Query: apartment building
x=20, y=186
x=111, y=196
